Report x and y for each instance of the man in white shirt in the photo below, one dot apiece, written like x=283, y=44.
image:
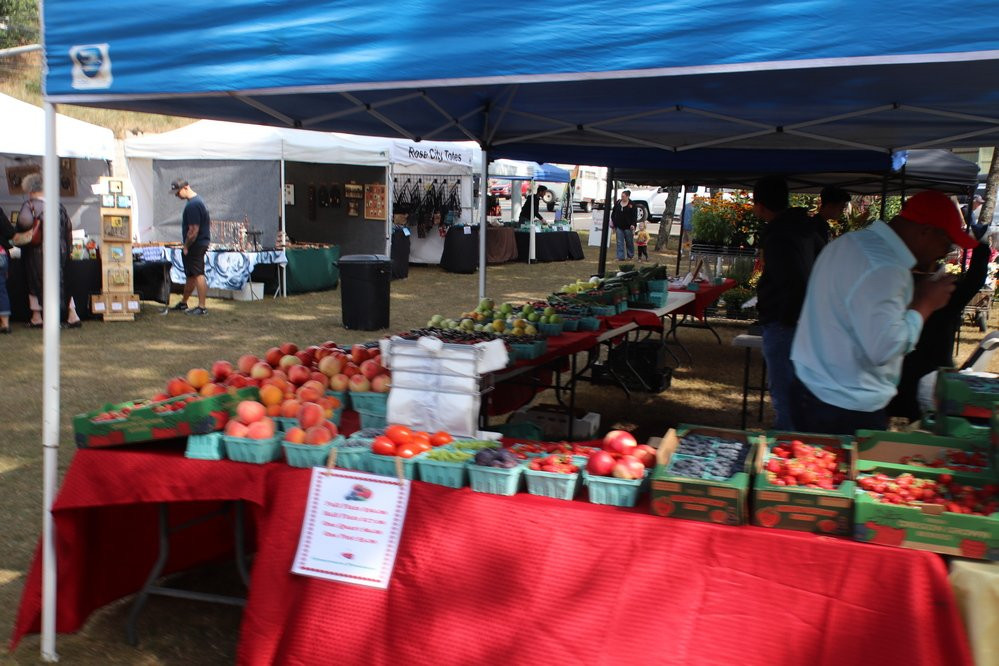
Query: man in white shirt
x=862, y=314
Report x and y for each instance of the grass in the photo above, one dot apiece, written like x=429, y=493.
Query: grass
x=110, y=362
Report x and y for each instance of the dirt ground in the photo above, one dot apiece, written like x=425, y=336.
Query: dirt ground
x=111, y=362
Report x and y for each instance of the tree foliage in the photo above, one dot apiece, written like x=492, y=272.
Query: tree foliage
x=18, y=23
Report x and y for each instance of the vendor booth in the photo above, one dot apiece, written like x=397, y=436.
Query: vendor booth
x=914, y=80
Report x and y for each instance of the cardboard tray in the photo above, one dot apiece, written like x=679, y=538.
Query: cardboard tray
x=901, y=452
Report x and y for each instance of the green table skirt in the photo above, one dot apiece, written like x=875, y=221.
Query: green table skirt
x=313, y=269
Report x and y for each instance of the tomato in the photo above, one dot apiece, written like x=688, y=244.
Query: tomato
x=407, y=451
x=421, y=441
x=440, y=438
x=399, y=434
x=383, y=446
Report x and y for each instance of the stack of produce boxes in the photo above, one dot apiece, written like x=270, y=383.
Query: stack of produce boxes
x=803, y=483
x=927, y=492
x=703, y=474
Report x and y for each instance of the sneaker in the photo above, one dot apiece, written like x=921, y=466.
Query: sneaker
x=180, y=307
x=199, y=312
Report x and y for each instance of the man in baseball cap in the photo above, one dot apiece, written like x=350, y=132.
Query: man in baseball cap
x=863, y=313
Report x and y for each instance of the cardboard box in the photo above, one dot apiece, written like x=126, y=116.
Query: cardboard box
x=800, y=508
x=897, y=452
x=554, y=421
x=927, y=526
x=957, y=426
x=967, y=395
x=712, y=501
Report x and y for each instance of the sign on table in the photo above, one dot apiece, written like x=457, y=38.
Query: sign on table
x=352, y=526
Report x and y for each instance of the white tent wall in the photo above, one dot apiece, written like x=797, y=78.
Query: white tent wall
x=83, y=207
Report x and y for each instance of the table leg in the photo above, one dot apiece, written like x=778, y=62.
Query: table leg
x=674, y=325
x=745, y=388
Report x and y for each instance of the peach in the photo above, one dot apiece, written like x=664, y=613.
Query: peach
x=310, y=414
x=179, y=386
x=295, y=435
x=330, y=401
x=381, y=384
x=273, y=356
x=279, y=382
x=236, y=381
x=360, y=384
x=321, y=353
x=371, y=369
x=289, y=360
x=290, y=407
x=288, y=348
x=250, y=411
x=298, y=374
x=235, y=429
x=331, y=365
x=317, y=435
x=271, y=395
x=221, y=370
x=261, y=370
x=198, y=377
x=309, y=394
x=359, y=354
x=262, y=429
x=321, y=378
x=246, y=362
x=350, y=369
x=332, y=428
x=211, y=388
x=339, y=382
x=273, y=410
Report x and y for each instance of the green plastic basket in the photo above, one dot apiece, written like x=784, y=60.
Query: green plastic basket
x=612, y=491
x=257, y=451
x=354, y=454
x=495, y=480
x=551, y=484
x=603, y=310
x=370, y=401
x=550, y=329
x=658, y=285
x=308, y=455
x=589, y=324
x=285, y=423
x=372, y=419
x=342, y=396
x=385, y=466
x=570, y=324
x=205, y=447
x=443, y=473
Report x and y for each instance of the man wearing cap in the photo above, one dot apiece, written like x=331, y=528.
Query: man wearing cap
x=196, y=232
x=862, y=314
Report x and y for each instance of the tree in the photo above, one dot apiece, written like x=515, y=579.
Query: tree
x=991, y=185
x=18, y=23
x=667, y=222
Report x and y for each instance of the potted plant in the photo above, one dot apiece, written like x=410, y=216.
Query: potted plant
x=724, y=221
x=734, y=298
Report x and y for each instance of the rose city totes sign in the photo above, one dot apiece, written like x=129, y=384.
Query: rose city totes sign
x=352, y=526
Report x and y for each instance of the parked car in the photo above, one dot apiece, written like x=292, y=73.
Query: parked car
x=502, y=188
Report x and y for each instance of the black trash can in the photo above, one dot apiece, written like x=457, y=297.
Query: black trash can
x=400, y=253
x=364, y=291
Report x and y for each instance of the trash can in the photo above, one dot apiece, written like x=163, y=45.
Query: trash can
x=364, y=291
x=400, y=253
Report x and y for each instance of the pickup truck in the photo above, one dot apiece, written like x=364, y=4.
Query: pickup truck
x=651, y=203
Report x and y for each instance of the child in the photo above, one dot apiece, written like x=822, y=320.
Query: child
x=642, y=243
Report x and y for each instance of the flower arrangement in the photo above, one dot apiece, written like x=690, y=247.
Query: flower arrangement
x=725, y=219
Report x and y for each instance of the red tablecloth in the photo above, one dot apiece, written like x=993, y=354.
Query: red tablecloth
x=705, y=295
x=517, y=580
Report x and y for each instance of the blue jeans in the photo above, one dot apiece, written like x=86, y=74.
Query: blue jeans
x=4, y=297
x=777, y=339
x=625, y=240
x=813, y=415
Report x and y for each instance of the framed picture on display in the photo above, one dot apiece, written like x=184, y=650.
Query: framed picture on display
x=115, y=187
x=374, y=201
x=352, y=208
x=353, y=191
x=107, y=201
x=124, y=201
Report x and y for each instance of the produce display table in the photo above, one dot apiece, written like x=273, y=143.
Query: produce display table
x=501, y=245
x=312, y=269
x=470, y=584
x=549, y=245
x=461, y=250
x=223, y=269
x=705, y=296
x=83, y=278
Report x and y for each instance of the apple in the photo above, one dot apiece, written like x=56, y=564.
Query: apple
x=370, y=369
x=339, y=382
x=381, y=384
x=295, y=435
x=261, y=370
x=619, y=441
x=221, y=370
x=250, y=411
x=288, y=360
x=246, y=362
x=288, y=348
x=298, y=374
x=306, y=357
x=646, y=454
x=273, y=356
x=359, y=384
x=628, y=467
x=262, y=429
x=235, y=429
x=332, y=364
x=601, y=463
x=358, y=354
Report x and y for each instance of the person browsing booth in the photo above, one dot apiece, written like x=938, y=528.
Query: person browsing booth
x=862, y=313
x=197, y=233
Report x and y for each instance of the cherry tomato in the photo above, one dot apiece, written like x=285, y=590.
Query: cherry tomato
x=383, y=446
x=407, y=451
x=399, y=434
x=440, y=438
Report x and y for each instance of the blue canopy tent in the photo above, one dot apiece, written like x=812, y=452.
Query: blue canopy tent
x=818, y=75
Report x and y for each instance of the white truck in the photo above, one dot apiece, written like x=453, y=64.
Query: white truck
x=651, y=202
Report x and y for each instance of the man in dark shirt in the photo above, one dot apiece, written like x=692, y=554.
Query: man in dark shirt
x=791, y=242
x=624, y=215
x=833, y=202
x=532, y=206
x=196, y=231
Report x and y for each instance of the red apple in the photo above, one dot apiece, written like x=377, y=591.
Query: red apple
x=236, y=381
x=306, y=357
x=646, y=454
x=273, y=356
x=600, y=463
x=619, y=441
x=221, y=370
x=628, y=467
x=288, y=348
x=339, y=382
x=370, y=369
x=261, y=370
x=298, y=374
x=381, y=384
x=246, y=362
x=359, y=384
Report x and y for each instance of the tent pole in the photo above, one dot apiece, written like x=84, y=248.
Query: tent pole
x=483, y=191
x=683, y=223
x=389, y=196
x=50, y=390
x=531, y=252
x=283, y=268
x=884, y=195
x=608, y=205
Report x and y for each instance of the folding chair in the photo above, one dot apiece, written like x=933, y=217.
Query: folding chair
x=979, y=359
